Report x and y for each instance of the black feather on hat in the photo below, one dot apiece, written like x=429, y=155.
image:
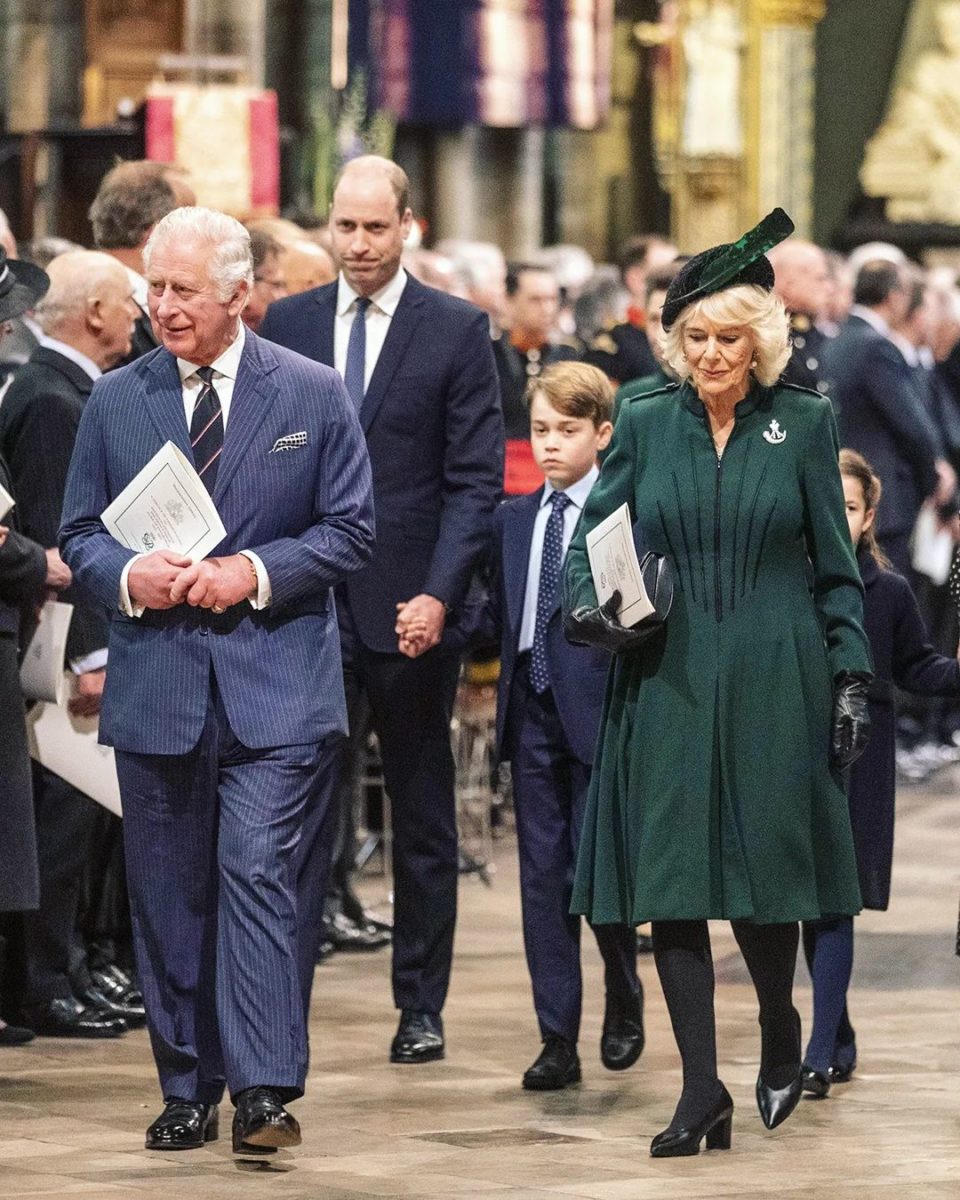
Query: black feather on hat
x=731, y=265
x=22, y=285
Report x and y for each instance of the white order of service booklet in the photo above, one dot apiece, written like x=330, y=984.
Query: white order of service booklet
x=6, y=502
x=41, y=673
x=67, y=745
x=615, y=567
x=166, y=507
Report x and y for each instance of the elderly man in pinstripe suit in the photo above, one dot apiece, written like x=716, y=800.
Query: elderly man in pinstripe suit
x=225, y=685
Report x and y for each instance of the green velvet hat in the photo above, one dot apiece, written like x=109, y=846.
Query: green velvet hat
x=731, y=265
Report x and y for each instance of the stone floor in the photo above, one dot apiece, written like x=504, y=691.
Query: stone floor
x=72, y=1114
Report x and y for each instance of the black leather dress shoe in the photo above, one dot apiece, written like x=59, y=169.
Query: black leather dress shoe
x=814, y=1083
x=69, y=1018
x=183, y=1125
x=116, y=985
x=15, y=1035
x=356, y=936
x=716, y=1126
x=132, y=1015
x=557, y=1066
x=419, y=1038
x=261, y=1124
x=621, y=1043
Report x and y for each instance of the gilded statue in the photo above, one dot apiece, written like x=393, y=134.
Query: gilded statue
x=914, y=158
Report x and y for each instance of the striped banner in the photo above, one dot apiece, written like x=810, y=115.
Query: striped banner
x=504, y=63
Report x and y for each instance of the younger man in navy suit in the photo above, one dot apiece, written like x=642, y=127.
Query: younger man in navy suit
x=548, y=712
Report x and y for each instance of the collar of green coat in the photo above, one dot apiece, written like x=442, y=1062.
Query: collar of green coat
x=691, y=401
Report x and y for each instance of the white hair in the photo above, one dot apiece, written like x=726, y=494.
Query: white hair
x=77, y=277
x=230, y=261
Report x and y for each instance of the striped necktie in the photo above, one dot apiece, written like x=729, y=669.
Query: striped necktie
x=206, y=430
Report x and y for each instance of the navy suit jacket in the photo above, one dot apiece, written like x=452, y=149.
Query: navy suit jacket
x=879, y=414
x=306, y=512
x=578, y=674
x=434, y=429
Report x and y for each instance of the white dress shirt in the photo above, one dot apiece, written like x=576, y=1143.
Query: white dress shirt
x=383, y=305
x=96, y=660
x=225, y=370
x=578, y=493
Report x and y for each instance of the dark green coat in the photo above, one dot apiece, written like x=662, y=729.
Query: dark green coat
x=711, y=794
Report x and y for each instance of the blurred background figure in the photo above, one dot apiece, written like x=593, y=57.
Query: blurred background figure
x=803, y=284
x=527, y=344
x=305, y=265
x=484, y=270
x=623, y=350
x=131, y=199
x=269, y=281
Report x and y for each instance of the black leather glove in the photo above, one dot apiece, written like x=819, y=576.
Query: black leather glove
x=851, y=720
x=600, y=627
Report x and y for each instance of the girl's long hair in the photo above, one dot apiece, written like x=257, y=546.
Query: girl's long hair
x=855, y=466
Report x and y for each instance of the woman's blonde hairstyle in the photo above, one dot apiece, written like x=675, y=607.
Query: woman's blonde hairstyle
x=747, y=305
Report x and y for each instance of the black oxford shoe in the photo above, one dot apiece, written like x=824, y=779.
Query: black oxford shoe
x=183, y=1125
x=132, y=1015
x=116, y=985
x=419, y=1038
x=621, y=1043
x=354, y=936
x=261, y=1124
x=557, y=1066
x=68, y=1017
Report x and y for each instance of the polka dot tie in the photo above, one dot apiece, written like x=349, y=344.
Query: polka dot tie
x=550, y=563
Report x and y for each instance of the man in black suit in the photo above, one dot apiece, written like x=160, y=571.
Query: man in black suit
x=25, y=573
x=419, y=366
x=131, y=199
x=87, y=317
x=878, y=409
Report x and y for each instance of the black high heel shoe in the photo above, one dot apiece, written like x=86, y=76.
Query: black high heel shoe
x=716, y=1126
x=776, y=1104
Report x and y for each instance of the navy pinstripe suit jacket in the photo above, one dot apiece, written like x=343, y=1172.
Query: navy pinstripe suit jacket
x=307, y=512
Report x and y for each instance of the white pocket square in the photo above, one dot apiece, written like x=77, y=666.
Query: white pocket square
x=290, y=441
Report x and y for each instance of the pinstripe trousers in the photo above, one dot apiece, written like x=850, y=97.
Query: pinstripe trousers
x=211, y=839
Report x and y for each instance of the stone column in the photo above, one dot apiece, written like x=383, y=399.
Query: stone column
x=779, y=108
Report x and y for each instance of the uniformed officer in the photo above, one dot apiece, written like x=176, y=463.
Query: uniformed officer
x=623, y=351
x=803, y=284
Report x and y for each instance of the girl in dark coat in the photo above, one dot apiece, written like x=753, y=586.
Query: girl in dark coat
x=902, y=656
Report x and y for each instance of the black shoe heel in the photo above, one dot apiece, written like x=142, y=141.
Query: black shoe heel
x=721, y=1135
x=716, y=1126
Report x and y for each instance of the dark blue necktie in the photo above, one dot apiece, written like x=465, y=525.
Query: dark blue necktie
x=550, y=563
x=355, y=370
x=206, y=430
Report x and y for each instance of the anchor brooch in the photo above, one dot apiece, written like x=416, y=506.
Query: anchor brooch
x=774, y=435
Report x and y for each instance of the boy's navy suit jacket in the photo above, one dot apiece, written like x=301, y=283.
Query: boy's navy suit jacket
x=578, y=674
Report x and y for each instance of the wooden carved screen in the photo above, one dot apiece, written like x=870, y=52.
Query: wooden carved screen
x=125, y=39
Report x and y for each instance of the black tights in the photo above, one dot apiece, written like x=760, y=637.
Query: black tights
x=681, y=951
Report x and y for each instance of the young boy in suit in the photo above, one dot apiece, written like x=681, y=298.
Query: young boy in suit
x=548, y=712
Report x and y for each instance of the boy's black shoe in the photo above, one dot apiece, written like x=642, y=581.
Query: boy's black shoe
x=557, y=1067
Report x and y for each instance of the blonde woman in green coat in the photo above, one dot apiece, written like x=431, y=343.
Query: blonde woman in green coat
x=716, y=791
